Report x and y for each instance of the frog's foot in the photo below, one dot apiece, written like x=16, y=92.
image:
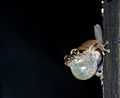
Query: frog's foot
x=101, y=76
x=99, y=73
x=103, y=49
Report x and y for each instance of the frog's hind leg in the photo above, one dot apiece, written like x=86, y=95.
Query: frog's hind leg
x=90, y=49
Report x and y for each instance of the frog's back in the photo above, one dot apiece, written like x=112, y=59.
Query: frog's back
x=86, y=45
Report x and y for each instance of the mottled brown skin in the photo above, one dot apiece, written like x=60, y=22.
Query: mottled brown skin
x=98, y=46
x=87, y=44
x=94, y=44
x=84, y=47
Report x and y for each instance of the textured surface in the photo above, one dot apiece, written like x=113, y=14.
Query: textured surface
x=112, y=60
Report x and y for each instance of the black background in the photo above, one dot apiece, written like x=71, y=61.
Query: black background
x=34, y=37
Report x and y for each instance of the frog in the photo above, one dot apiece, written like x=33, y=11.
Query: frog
x=87, y=60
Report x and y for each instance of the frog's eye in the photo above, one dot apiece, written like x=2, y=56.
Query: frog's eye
x=74, y=51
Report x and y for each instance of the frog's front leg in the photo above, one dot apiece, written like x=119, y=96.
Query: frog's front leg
x=99, y=73
x=102, y=47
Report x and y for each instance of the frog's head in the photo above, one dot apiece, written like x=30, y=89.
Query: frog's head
x=72, y=56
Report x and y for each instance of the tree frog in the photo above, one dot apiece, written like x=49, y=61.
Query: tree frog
x=87, y=60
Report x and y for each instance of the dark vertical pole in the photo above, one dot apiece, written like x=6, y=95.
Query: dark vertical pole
x=111, y=88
